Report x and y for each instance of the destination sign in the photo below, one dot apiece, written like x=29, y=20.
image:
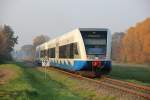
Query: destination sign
x=94, y=35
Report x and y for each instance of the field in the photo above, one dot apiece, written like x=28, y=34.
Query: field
x=20, y=82
x=139, y=74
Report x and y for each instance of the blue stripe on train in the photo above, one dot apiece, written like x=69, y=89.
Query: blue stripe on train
x=64, y=66
x=79, y=65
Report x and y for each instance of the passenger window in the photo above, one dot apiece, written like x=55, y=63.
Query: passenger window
x=75, y=49
x=51, y=52
x=68, y=51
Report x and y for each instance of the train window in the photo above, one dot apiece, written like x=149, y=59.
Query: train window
x=68, y=51
x=51, y=52
x=71, y=51
x=95, y=42
x=96, y=49
x=43, y=53
x=75, y=50
x=61, y=52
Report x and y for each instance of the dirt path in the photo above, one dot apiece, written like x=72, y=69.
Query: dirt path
x=6, y=75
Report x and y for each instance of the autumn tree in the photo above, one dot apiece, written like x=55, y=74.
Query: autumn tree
x=7, y=42
x=40, y=39
x=136, y=43
x=3, y=42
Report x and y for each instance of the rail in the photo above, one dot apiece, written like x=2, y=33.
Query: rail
x=138, y=90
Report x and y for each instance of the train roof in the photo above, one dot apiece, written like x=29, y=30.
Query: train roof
x=78, y=30
x=93, y=29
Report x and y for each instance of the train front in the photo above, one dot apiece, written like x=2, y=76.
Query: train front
x=97, y=44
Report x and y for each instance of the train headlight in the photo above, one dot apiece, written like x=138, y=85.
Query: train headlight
x=96, y=64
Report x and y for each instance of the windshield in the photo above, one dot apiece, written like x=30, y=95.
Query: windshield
x=95, y=42
x=96, y=50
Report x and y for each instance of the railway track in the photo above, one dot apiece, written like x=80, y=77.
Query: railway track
x=126, y=87
x=140, y=88
x=141, y=91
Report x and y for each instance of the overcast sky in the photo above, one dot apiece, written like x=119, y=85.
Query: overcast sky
x=30, y=18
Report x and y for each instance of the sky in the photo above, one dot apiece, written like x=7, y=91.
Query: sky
x=29, y=18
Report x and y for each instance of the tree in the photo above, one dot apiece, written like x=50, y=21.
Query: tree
x=136, y=43
x=7, y=42
x=40, y=39
x=116, y=45
x=3, y=42
x=27, y=53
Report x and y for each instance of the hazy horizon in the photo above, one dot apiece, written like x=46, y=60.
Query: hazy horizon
x=30, y=18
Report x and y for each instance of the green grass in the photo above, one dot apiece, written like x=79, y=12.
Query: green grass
x=137, y=74
x=80, y=88
x=30, y=84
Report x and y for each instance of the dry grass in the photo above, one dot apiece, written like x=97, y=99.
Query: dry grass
x=7, y=74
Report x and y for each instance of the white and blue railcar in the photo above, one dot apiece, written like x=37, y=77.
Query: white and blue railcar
x=83, y=49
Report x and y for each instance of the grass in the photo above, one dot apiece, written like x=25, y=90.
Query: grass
x=132, y=73
x=79, y=87
x=30, y=84
x=12, y=68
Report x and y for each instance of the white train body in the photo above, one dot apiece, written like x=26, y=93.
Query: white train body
x=78, y=50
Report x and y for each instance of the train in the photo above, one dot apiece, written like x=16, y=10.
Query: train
x=83, y=50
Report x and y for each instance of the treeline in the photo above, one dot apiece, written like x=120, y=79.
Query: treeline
x=7, y=42
x=27, y=52
x=133, y=46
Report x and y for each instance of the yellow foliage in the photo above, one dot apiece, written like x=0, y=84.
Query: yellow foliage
x=136, y=43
